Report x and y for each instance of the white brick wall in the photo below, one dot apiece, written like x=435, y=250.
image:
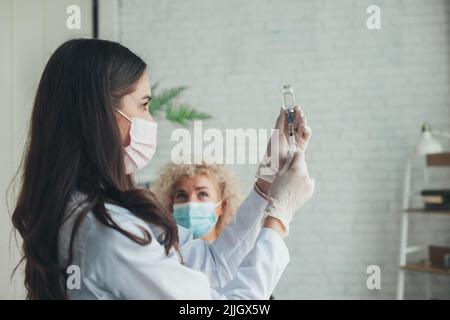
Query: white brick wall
x=365, y=93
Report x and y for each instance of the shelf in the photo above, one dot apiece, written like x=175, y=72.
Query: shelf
x=438, y=160
x=427, y=268
x=424, y=211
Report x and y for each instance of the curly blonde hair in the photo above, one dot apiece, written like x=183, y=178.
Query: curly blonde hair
x=225, y=179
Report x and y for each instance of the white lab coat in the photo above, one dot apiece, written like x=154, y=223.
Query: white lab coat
x=245, y=262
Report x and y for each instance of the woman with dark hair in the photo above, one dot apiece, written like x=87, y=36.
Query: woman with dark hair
x=89, y=233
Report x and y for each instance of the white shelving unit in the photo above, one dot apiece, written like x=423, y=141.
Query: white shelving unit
x=432, y=160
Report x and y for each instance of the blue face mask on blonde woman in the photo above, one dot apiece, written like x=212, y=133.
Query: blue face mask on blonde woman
x=198, y=217
x=78, y=206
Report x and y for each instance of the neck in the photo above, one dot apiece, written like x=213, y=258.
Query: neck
x=211, y=236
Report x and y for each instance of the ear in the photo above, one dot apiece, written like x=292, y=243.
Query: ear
x=221, y=208
x=124, y=129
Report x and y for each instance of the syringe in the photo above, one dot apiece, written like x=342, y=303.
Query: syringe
x=287, y=94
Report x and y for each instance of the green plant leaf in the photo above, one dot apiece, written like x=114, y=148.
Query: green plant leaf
x=165, y=98
x=184, y=113
x=179, y=113
x=154, y=87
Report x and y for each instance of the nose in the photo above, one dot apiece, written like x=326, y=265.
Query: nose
x=147, y=116
x=193, y=197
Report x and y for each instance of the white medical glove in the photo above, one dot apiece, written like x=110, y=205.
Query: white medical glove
x=275, y=159
x=290, y=190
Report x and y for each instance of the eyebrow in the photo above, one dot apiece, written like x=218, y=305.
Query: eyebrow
x=197, y=188
x=149, y=98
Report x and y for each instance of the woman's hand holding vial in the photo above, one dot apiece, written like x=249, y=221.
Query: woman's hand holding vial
x=291, y=186
x=291, y=133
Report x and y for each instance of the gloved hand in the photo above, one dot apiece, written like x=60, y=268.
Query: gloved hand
x=290, y=190
x=275, y=159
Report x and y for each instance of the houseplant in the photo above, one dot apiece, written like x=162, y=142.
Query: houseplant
x=165, y=104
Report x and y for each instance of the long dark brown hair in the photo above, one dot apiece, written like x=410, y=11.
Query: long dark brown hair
x=74, y=144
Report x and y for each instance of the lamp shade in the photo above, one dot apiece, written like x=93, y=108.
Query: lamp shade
x=428, y=144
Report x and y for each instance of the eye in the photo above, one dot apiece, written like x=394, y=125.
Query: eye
x=180, y=196
x=203, y=195
x=145, y=106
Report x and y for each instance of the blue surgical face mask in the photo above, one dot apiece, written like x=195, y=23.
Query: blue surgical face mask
x=199, y=217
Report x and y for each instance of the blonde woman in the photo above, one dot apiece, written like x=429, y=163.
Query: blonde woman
x=203, y=197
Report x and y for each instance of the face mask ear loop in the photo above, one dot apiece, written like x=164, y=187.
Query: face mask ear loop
x=218, y=203
x=123, y=115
